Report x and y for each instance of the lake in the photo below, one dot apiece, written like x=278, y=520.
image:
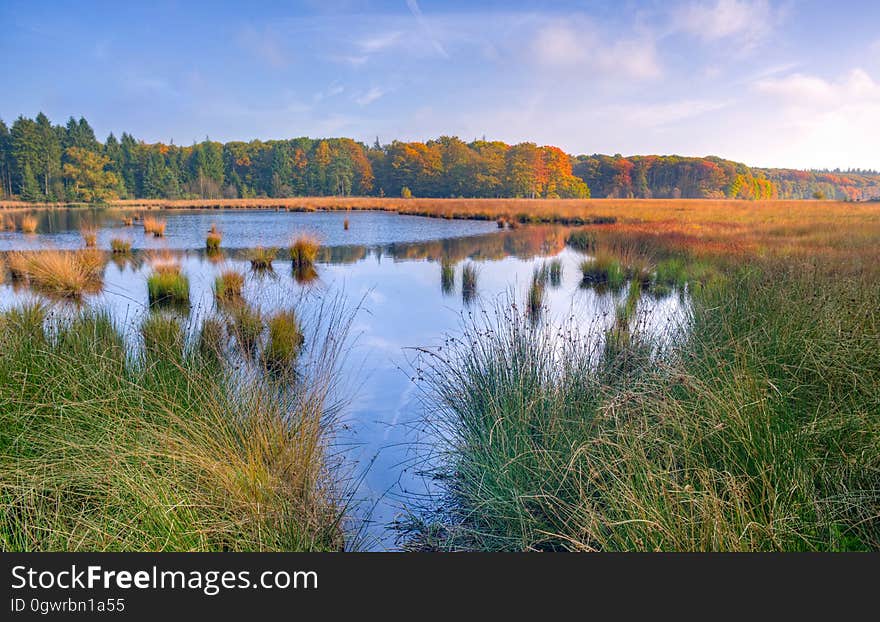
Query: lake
x=388, y=267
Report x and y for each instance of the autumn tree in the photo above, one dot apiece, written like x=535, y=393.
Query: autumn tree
x=87, y=174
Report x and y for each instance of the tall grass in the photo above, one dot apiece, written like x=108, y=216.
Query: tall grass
x=212, y=242
x=167, y=284
x=468, y=282
x=68, y=274
x=304, y=251
x=103, y=450
x=603, y=269
x=262, y=258
x=284, y=342
x=228, y=285
x=447, y=275
x=758, y=431
x=120, y=246
x=29, y=224
x=89, y=236
x=535, y=298
x=154, y=226
x=555, y=272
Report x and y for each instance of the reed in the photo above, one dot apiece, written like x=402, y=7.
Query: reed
x=345, y=224
x=159, y=453
x=89, y=236
x=163, y=336
x=468, y=282
x=228, y=285
x=304, y=250
x=246, y=324
x=154, y=226
x=120, y=246
x=167, y=284
x=535, y=298
x=262, y=258
x=29, y=224
x=284, y=342
x=212, y=242
x=603, y=269
x=68, y=274
x=555, y=271
x=447, y=275
x=582, y=240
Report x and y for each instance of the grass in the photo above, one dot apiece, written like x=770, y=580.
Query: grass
x=154, y=226
x=447, y=275
x=603, y=269
x=120, y=246
x=304, y=251
x=66, y=274
x=104, y=450
x=29, y=224
x=163, y=337
x=228, y=285
x=468, y=281
x=535, y=298
x=555, y=272
x=89, y=236
x=284, y=342
x=262, y=258
x=212, y=242
x=345, y=224
x=582, y=240
x=246, y=324
x=167, y=284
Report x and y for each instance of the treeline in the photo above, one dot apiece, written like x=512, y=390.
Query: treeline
x=40, y=161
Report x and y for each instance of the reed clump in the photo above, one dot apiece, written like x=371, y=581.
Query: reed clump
x=603, y=269
x=120, y=246
x=154, y=226
x=212, y=242
x=285, y=340
x=447, y=275
x=582, y=240
x=555, y=272
x=262, y=258
x=246, y=324
x=102, y=449
x=29, y=224
x=228, y=285
x=68, y=274
x=535, y=298
x=304, y=250
x=468, y=281
x=89, y=236
x=167, y=284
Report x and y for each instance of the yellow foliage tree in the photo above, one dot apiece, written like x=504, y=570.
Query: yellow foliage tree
x=86, y=174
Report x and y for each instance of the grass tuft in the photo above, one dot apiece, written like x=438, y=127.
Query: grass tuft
x=304, y=251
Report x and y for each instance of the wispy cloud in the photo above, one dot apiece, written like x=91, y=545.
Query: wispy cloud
x=426, y=27
x=264, y=44
x=747, y=21
x=369, y=96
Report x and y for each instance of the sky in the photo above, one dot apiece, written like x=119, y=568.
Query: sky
x=793, y=83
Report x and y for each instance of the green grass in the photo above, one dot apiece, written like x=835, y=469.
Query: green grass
x=246, y=324
x=582, y=240
x=101, y=450
x=212, y=242
x=447, y=275
x=285, y=340
x=468, y=282
x=603, y=269
x=228, y=285
x=757, y=432
x=535, y=298
x=555, y=272
x=168, y=286
x=163, y=336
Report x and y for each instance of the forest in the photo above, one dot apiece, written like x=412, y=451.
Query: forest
x=40, y=161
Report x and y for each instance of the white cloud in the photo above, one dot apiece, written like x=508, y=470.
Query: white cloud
x=575, y=43
x=370, y=96
x=825, y=122
x=660, y=114
x=379, y=42
x=746, y=21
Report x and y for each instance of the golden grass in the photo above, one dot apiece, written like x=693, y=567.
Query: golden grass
x=212, y=242
x=89, y=236
x=68, y=274
x=304, y=250
x=156, y=226
x=228, y=285
x=29, y=224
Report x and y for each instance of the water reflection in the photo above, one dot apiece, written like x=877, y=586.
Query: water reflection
x=403, y=307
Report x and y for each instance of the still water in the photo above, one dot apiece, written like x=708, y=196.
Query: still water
x=388, y=266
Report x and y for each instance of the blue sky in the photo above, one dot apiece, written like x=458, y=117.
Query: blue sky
x=771, y=83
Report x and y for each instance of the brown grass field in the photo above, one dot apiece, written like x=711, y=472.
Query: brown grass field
x=727, y=227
